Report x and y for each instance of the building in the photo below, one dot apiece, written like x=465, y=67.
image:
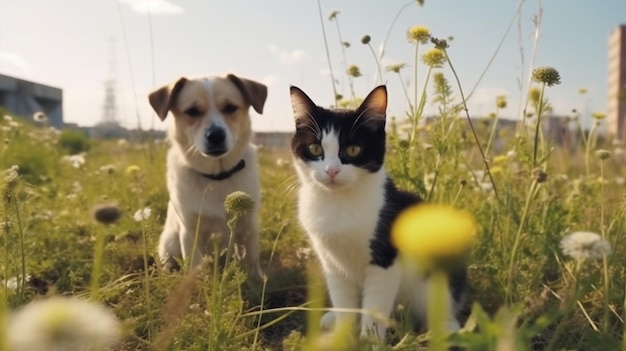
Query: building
x=25, y=98
x=616, y=108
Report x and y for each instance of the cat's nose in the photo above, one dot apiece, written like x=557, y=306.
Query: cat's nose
x=332, y=172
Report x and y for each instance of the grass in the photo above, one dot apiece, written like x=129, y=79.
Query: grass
x=525, y=294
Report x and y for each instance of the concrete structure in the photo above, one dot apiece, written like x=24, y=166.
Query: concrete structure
x=24, y=98
x=616, y=108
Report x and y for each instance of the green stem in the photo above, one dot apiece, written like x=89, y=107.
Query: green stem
x=22, y=251
x=380, y=71
x=516, y=243
x=538, y=128
x=588, y=146
x=415, y=92
x=437, y=310
x=330, y=66
x=605, y=265
x=492, y=133
x=469, y=121
x=569, y=306
x=406, y=93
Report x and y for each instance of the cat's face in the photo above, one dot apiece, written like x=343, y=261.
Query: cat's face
x=337, y=148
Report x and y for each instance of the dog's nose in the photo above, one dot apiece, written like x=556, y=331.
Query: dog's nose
x=216, y=136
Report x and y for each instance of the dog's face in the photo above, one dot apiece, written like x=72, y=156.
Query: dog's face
x=211, y=114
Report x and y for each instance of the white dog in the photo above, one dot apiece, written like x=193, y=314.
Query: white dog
x=210, y=157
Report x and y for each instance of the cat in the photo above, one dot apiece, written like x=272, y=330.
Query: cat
x=347, y=203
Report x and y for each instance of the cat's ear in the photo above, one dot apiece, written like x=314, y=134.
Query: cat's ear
x=375, y=104
x=302, y=105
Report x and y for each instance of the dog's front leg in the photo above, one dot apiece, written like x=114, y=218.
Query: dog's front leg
x=248, y=238
x=191, y=244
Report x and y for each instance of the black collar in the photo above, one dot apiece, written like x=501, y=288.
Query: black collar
x=226, y=174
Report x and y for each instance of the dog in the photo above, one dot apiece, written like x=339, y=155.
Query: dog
x=210, y=156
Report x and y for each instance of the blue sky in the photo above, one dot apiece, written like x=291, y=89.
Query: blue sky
x=66, y=43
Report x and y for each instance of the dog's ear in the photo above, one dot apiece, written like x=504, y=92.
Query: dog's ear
x=162, y=98
x=254, y=92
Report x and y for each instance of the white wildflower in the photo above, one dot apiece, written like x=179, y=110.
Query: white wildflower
x=620, y=180
x=618, y=151
x=75, y=160
x=429, y=178
x=304, y=253
x=585, y=245
x=60, y=323
x=281, y=162
x=13, y=124
x=40, y=117
x=142, y=214
x=5, y=129
x=7, y=118
x=511, y=153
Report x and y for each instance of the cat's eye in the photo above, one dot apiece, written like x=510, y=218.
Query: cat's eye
x=315, y=150
x=353, y=151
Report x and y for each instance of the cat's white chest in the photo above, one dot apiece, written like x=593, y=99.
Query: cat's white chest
x=341, y=226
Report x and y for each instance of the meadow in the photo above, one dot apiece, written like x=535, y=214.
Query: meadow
x=81, y=217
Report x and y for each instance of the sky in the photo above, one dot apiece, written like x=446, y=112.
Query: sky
x=145, y=44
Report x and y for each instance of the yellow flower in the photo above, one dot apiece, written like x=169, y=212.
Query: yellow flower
x=434, y=58
x=418, y=34
x=598, y=116
x=435, y=235
x=495, y=170
x=132, y=169
x=500, y=159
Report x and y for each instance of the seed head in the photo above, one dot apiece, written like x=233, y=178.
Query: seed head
x=547, y=75
x=501, y=101
x=582, y=91
x=434, y=58
x=602, y=154
x=418, y=34
x=346, y=44
x=585, y=246
x=238, y=203
x=60, y=323
x=539, y=175
x=366, y=39
x=106, y=213
x=354, y=71
x=396, y=67
x=441, y=43
x=333, y=15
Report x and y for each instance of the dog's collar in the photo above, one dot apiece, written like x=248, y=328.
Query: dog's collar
x=227, y=174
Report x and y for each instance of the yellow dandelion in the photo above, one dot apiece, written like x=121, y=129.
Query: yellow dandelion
x=500, y=159
x=418, y=34
x=436, y=235
x=132, y=169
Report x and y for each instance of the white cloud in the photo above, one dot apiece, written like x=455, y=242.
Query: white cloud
x=160, y=7
x=13, y=63
x=289, y=57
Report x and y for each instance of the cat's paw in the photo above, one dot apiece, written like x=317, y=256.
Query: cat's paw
x=327, y=323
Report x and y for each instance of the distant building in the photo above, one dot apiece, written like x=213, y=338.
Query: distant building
x=25, y=98
x=275, y=140
x=616, y=111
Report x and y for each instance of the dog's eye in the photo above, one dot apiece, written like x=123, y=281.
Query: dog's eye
x=353, y=151
x=193, y=112
x=229, y=108
x=315, y=149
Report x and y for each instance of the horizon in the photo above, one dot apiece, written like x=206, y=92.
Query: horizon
x=182, y=39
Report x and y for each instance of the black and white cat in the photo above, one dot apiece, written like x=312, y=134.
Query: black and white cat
x=347, y=203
